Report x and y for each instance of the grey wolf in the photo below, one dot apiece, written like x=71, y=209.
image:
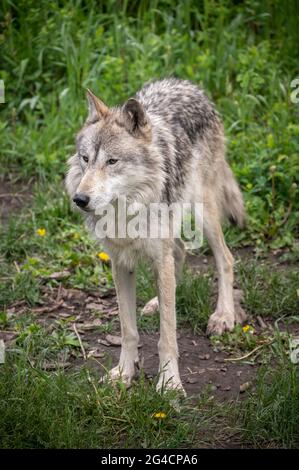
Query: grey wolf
x=166, y=144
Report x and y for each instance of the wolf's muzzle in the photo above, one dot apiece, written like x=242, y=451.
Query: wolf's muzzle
x=81, y=200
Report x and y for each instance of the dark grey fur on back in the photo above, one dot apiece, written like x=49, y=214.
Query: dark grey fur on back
x=181, y=104
x=184, y=112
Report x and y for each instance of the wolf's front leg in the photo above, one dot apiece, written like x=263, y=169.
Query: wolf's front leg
x=169, y=377
x=125, y=284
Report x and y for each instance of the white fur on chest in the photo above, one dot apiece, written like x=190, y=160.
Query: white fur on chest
x=128, y=252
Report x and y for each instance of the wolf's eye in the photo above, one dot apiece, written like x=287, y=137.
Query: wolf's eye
x=85, y=158
x=111, y=161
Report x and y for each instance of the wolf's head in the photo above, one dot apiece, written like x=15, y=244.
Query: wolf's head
x=115, y=157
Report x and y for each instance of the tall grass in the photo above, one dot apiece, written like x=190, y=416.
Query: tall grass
x=244, y=55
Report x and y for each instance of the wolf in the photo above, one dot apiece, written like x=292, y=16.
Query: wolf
x=166, y=144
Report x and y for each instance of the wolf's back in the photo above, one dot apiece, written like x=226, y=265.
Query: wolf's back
x=191, y=117
x=179, y=103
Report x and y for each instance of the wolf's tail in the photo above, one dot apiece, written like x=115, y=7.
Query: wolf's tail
x=232, y=200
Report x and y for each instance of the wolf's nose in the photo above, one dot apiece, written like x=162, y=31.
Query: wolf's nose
x=81, y=200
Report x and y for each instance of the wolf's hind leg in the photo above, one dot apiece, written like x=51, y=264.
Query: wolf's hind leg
x=224, y=317
x=125, y=284
x=152, y=306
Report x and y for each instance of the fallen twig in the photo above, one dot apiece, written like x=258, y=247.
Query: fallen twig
x=54, y=366
x=48, y=309
x=58, y=297
x=12, y=195
x=232, y=359
x=80, y=341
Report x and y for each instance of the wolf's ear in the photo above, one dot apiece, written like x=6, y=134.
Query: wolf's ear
x=96, y=108
x=135, y=118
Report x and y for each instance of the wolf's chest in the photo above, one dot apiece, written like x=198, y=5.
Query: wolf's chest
x=128, y=251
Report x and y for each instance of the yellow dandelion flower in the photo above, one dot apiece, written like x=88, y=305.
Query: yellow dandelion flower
x=104, y=256
x=160, y=415
x=246, y=328
x=41, y=232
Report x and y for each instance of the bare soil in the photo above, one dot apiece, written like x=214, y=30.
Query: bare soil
x=202, y=367
x=13, y=196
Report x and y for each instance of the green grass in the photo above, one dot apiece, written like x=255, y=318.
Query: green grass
x=237, y=52
x=244, y=55
x=41, y=409
x=270, y=416
x=269, y=292
x=58, y=410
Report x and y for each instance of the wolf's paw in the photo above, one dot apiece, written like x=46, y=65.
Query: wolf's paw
x=151, y=307
x=170, y=381
x=220, y=322
x=118, y=374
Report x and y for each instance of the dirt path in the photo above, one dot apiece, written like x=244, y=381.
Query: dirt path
x=202, y=366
